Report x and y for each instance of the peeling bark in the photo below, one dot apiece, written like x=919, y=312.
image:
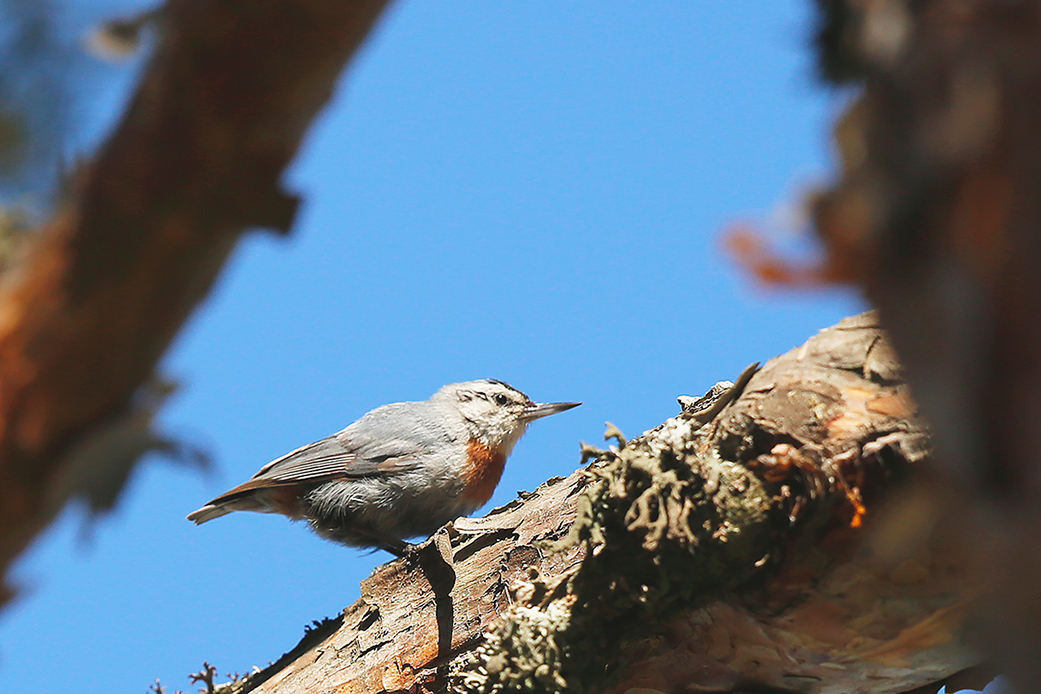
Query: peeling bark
x=734, y=548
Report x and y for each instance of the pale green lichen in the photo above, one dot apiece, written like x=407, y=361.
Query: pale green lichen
x=668, y=525
x=526, y=654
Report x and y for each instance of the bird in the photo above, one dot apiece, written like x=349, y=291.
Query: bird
x=401, y=471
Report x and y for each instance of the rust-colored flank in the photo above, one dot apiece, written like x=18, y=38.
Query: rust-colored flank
x=286, y=500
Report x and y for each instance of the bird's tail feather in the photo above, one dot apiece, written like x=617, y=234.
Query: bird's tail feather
x=209, y=512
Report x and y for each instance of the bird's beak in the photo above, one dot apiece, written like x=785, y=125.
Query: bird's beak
x=542, y=409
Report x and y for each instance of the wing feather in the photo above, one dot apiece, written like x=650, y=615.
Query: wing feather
x=386, y=442
x=340, y=457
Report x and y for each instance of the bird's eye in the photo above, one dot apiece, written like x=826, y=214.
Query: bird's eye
x=501, y=399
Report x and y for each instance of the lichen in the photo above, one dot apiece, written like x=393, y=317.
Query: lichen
x=526, y=654
x=668, y=525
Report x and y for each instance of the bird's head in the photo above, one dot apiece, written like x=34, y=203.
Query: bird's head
x=495, y=413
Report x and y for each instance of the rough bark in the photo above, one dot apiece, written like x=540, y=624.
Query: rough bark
x=730, y=549
x=937, y=215
x=196, y=160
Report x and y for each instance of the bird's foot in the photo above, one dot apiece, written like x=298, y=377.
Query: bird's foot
x=399, y=548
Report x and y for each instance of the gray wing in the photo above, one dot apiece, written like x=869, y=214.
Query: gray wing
x=341, y=456
x=390, y=440
x=338, y=457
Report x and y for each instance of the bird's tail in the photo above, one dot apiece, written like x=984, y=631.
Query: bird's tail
x=209, y=512
x=238, y=499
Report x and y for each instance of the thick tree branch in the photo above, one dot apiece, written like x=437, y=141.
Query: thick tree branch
x=196, y=160
x=722, y=551
x=938, y=217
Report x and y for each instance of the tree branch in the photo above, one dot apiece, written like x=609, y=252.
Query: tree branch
x=196, y=160
x=722, y=551
x=936, y=215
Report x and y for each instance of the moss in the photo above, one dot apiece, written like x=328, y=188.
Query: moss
x=668, y=526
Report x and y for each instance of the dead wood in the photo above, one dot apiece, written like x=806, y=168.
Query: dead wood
x=196, y=160
x=726, y=550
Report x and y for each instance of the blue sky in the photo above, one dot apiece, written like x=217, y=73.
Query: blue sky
x=528, y=191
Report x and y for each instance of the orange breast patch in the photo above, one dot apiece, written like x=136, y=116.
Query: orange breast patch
x=484, y=467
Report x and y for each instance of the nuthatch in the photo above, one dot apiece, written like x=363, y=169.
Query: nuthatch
x=401, y=471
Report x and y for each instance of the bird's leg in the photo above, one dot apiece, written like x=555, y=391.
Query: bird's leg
x=412, y=554
x=398, y=547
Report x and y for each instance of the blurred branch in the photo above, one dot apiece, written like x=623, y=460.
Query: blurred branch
x=742, y=548
x=938, y=217
x=196, y=160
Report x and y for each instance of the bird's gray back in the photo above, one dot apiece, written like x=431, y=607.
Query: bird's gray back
x=402, y=429
x=390, y=440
